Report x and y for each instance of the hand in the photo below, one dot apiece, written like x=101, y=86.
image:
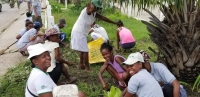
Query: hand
x=105, y=87
x=36, y=16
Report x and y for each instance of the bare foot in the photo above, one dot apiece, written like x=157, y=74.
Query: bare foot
x=72, y=80
x=81, y=67
x=88, y=69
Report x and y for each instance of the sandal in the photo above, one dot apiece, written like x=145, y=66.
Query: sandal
x=73, y=79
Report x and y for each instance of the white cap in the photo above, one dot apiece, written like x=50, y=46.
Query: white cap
x=69, y=90
x=133, y=58
x=35, y=50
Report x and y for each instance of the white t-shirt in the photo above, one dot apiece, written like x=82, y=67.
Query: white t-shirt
x=57, y=28
x=25, y=39
x=51, y=46
x=144, y=85
x=100, y=30
x=39, y=82
x=28, y=18
x=22, y=31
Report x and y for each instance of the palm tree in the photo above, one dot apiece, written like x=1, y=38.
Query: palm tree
x=177, y=36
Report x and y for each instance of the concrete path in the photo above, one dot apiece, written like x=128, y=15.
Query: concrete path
x=12, y=21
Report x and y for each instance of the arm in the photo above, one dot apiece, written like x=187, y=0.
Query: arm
x=105, y=19
x=34, y=37
x=58, y=57
x=29, y=6
x=102, y=69
x=49, y=94
x=36, y=14
x=118, y=39
x=90, y=31
x=176, y=88
x=127, y=94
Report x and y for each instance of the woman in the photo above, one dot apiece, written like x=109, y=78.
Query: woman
x=29, y=38
x=124, y=37
x=57, y=63
x=81, y=29
x=39, y=83
x=28, y=26
x=113, y=66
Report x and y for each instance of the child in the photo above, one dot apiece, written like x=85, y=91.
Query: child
x=57, y=63
x=97, y=31
x=142, y=83
x=28, y=17
x=124, y=37
x=31, y=37
x=113, y=66
x=60, y=25
x=28, y=26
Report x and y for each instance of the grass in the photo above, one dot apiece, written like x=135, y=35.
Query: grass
x=13, y=83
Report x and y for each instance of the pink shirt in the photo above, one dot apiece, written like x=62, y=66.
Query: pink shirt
x=126, y=35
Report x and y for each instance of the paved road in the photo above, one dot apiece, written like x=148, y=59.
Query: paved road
x=9, y=15
x=13, y=21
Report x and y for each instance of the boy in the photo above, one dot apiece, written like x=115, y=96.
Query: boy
x=142, y=82
x=60, y=25
x=28, y=17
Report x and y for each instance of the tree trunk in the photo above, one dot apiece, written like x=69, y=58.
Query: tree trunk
x=178, y=39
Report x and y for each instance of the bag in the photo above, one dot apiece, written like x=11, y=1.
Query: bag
x=94, y=51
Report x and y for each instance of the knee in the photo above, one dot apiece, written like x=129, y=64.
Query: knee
x=81, y=94
x=168, y=91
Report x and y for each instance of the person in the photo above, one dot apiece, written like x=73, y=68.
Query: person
x=81, y=28
x=27, y=27
x=142, y=83
x=169, y=84
x=113, y=66
x=124, y=37
x=39, y=83
x=37, y=10
x=28, y=17
x=97, y=31
x=29, y=4
x=57, y=62
x=29, y=38
x=59, y=26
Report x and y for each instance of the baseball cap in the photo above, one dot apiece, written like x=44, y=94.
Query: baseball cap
x=36, y=49
x=36, y=25
x=133, y=58
x=51, y=31
x=97, y=3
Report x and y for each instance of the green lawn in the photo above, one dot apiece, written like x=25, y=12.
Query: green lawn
x=13, y=83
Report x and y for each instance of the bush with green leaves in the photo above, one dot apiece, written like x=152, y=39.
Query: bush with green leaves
x=114, y=92
x=195, y=85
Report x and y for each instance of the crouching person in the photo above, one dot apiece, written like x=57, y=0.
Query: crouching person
x=31, y=37
x=39, y=83
x=57, y=62
x=168, y=82
x=142, y=83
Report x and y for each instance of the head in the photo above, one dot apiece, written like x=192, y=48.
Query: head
x=29, y=25
x=134, y=63
x=94, y=6
x=146, y=57
x=37, y=25
x=107, y=51
x=120, y=23
x=52, y=34
x=39, y=56
x=28, y=14
x=62, y=23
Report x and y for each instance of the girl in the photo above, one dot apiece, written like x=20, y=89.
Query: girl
x=113, y=66
x=57, y=67
x=124, y=37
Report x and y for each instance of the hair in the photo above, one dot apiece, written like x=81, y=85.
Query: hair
x=106, y=46
x=28, y=14
x=28, y=23
x=120, y=23
x=32, y=65
x=62, y=21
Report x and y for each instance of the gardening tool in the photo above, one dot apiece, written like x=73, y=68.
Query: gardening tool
x=2, y=51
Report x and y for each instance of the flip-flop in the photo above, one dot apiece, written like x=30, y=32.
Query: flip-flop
x=73, y=79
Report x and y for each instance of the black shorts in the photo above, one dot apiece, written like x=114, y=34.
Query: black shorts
x=56, y=72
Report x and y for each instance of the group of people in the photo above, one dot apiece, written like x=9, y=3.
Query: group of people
x=136, y=76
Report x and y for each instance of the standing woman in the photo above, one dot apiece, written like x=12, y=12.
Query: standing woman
x=81, y=29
